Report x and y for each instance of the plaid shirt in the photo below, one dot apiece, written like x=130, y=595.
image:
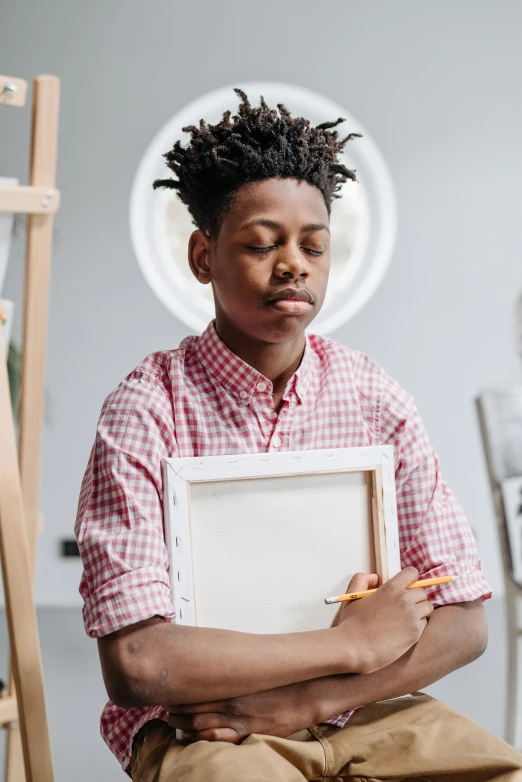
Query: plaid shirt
x=202, y=400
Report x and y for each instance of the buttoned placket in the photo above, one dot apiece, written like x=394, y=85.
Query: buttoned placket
x=277, y=424
x=280, y=439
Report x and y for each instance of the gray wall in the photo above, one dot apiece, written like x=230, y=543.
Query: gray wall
x=438, y=87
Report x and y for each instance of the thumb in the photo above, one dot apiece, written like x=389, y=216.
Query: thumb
x=362, y=581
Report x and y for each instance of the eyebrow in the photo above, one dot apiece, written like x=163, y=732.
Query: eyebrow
x=267, y=223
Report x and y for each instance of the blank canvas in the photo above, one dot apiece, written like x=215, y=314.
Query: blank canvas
x=257, y=546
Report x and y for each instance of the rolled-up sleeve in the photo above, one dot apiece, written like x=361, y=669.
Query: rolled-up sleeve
x=119, y=525
x=435, y=536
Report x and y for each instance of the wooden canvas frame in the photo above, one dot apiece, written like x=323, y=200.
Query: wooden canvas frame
x=181, y=473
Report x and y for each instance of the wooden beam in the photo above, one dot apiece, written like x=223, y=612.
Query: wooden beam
x=14, y=757
x=8, y=711
x=28, y=745
x=13, y=92
x=24, y=199
x=46, y=99
x=19, y=600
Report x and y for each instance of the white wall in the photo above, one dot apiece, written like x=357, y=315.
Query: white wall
x=438, y=87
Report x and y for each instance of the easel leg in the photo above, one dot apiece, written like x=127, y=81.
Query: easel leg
x=14, y=765
x=512, y=662
x=46, y=98
x=19, y=601
x=14, y=759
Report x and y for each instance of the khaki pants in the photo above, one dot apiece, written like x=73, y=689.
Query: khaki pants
x=415, y=739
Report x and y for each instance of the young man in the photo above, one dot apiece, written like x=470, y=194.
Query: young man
x=282, y=707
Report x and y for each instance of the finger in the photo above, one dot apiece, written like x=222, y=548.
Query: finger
x=180, y=722
x=219, y=734
x=362, y=581
x=194, y=723
x=406, y=577
x=419, y=594
x=424, y=609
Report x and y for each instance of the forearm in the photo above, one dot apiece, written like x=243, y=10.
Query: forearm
x=454, y=637
x=165, y=663
x=155, y=662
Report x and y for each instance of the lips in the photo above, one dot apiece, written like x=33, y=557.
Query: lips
x=292, y=301
x=292, y=294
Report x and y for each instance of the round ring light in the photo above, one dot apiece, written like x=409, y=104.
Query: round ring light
x=363, y=221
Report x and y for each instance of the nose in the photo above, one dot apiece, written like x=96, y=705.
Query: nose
x=290, y=263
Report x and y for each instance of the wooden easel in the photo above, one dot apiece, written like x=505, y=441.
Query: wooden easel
x=499, y=411
x=22, y=710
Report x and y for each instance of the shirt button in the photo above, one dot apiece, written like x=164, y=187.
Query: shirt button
x=276, y=442
x=261, y=386
x=243, y=394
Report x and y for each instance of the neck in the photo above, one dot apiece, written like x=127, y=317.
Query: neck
x=276, y=361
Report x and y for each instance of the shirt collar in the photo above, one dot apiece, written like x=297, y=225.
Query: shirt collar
x=238, y=377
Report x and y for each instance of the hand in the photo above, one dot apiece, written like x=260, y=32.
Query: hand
x=277, y=712
x=386, y=624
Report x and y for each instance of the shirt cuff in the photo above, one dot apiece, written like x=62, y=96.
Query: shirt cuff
x=127, y=599
x=466, y=586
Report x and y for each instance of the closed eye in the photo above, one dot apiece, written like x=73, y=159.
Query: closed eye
x=274, y=247
x=263, y=249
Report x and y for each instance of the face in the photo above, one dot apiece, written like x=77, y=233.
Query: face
x=269, y=265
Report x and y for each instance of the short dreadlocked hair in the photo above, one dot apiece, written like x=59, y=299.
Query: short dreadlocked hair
x=259, y=143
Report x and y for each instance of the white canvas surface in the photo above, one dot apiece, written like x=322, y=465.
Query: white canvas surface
x=6, y=227
x=266, y=552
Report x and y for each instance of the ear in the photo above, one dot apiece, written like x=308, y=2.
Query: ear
x=199, y=256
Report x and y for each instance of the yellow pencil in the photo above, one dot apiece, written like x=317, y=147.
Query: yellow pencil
x=356, y=595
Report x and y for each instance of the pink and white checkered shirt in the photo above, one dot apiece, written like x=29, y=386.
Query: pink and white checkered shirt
x=202, y=400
